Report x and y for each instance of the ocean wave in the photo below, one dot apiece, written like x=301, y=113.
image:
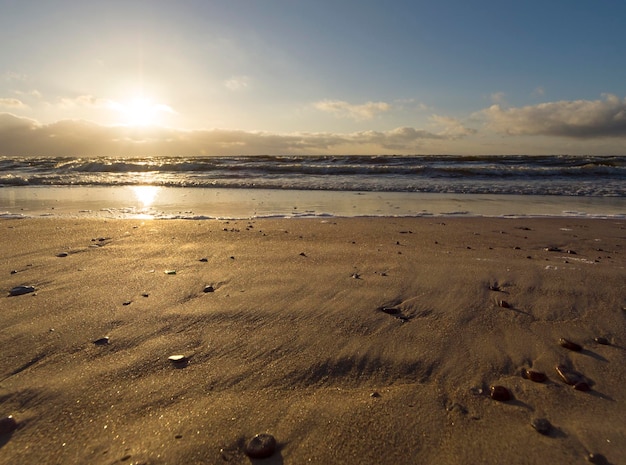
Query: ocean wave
x=519, y=174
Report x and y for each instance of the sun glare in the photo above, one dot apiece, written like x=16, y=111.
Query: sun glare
x=145, y=195
x=140, y=111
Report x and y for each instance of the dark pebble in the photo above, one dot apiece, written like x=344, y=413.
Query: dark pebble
x=571, y=252
x=8, y=425
x=582, y=386
x=602, y=340
x=570, y=345
x=62, y=254
x=552, y=249
x=541, y=425
x=204, y=260
x=390, y=310
x=21, y=290
x=504, y=304
x=261, y=446
x=597, y=459
x=499, y=393
x=209, y=289
x=535, y=376
x=13, y=271
x=128, y=302
x=102, y=341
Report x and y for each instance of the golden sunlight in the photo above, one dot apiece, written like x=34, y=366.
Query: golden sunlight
x=141, y=112
x=145, y=195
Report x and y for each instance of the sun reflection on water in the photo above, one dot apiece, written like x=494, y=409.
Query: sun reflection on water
x=145, y=195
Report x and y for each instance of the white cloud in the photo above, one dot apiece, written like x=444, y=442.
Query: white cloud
x=22, y=136
x=237, y=83
x=11, y=103
x=452, y=127
x=85, y=101
x=344, y=109
x=584, y=119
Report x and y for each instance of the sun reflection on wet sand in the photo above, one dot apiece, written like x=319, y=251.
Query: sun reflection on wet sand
x=145, y=196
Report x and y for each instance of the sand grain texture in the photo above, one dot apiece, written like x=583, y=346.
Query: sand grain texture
x=369, y=341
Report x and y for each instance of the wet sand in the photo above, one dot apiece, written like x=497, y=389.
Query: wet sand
x=369, y=341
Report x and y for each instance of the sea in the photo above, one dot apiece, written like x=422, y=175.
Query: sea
x=313, y=186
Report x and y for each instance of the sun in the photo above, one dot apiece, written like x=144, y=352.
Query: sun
x=140, y=111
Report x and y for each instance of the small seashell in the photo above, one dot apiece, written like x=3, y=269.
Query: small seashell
x=170, y=271
x=499, y=393
x=570, y=345
x=536, y=376
x=177, y=358
x=541, y=425
x=567, y=375
x=7, y=425
x=21, y=290
x=602, y=340
x=261, y=446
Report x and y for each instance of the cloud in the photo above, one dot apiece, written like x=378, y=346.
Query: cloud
x=538, y=92
x=581, y=119
x=11, y=103
x=24, y=137
x=452, y=127
x=85, y=101
x=343, y=109
x=237, y=83
x=498, y=97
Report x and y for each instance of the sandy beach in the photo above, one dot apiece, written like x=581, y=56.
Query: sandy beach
x=349, y=340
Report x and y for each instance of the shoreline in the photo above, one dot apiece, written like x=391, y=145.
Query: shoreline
x=350, y=340
x=153, y=202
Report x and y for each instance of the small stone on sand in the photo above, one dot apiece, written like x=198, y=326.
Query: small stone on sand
x=541, y=425
x=7, y=425
x=499, y=393
x=62, y=254
x=261, y=446
x=504, y=304
x=602, y=340
x=535, y=376
x=102, y=341
x=204, y=259
x=582, y=386
x=177, y=359
x=209, y=288
x=21, y=290
x=597, y=459
x=570, y=345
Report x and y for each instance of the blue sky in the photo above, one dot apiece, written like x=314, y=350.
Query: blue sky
x=278, y=76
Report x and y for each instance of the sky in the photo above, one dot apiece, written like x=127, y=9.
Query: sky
x=208, y=77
